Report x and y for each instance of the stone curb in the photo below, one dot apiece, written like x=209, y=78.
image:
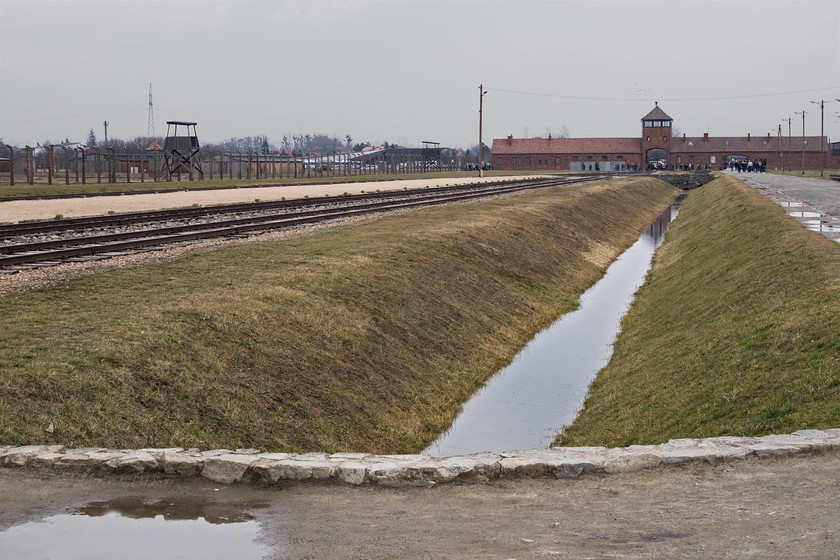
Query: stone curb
x=253, y=467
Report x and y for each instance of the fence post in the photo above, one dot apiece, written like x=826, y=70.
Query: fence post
x=84, y=166
x=50, y=164
x=11, y=165
x=66, y=165
x=29, y=178
x=76, y=164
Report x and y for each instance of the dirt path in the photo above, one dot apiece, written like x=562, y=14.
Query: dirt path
x=33, y=209
x=759, y=508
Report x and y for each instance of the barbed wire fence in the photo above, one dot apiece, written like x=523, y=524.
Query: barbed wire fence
x=73, y=164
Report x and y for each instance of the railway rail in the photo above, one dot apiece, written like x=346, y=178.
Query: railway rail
x=49, y=242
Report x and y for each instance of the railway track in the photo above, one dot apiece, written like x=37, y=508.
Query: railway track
x=30, y=245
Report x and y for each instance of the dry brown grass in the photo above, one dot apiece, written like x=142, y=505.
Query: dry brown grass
x=365, y=338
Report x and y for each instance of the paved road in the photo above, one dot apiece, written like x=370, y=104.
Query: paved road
x=817, y=195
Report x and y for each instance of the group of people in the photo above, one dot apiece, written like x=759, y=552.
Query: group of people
x=748, y=165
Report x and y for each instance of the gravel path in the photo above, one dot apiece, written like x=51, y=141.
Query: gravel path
x=17, y=210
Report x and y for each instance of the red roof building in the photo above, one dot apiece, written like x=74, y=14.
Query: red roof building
x=657, y=148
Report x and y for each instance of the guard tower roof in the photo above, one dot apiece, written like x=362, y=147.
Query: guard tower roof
x=657, y=114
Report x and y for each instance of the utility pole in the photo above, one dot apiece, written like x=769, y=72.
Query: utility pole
x=803, y=137
x=781, y=148
x=822, y=137
x=481, y=94
x=105, y=123
x=790, y=153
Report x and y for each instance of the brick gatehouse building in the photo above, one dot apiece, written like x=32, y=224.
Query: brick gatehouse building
x=656, y=148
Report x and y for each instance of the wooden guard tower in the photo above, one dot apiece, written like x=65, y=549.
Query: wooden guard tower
x=431, y=155
x=180, y=153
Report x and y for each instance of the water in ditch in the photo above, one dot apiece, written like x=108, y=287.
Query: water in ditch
x=136, y=528
x=525, y=404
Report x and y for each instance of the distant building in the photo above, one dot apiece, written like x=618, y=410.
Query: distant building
x=657, y=148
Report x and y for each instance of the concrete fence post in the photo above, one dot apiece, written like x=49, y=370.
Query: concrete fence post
x=82, y=151
x=66, y=165
x=11, y=165
x=50, y=164
x=30, y=167
x=76, y=164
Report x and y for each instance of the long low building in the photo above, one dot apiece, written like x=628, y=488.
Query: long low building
x=657, y=148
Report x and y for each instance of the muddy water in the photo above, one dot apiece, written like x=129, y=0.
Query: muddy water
x=134, y=528
x=525, y=404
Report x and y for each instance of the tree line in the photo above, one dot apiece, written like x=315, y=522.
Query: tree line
x=296, y=145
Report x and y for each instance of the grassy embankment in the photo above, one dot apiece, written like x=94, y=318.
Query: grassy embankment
x=736, y=331
x=363, y=338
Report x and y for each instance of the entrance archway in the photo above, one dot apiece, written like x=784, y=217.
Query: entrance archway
x=733, y=160
x=657, y=158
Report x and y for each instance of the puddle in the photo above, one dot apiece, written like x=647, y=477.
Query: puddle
x=135, y=528
x=818, y=225
x=525, y=404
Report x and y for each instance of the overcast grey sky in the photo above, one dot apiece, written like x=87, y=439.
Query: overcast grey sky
x=408, y=71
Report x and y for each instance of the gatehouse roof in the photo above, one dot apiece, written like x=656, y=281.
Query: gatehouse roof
x=657, y=114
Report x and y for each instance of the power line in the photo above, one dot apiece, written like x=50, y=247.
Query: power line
x=724, y=98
